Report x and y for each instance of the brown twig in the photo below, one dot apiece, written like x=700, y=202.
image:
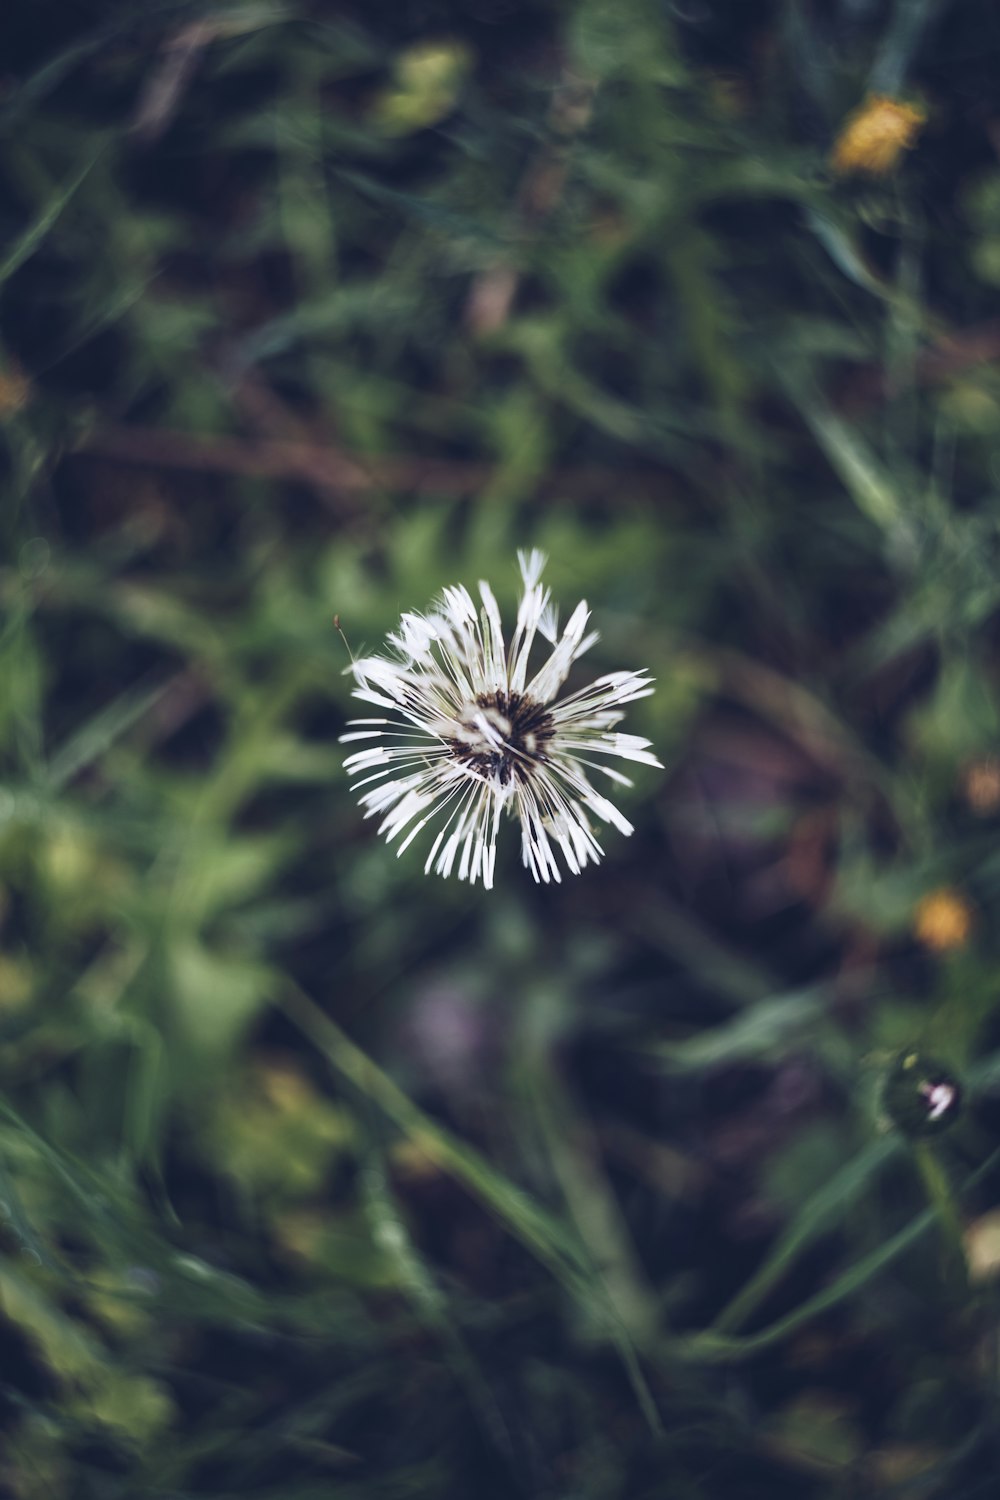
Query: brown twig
x=163, y=88
x=492, y=293
x=178, y=59
x=334, y=471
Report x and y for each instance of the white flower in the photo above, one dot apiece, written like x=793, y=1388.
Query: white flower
x=474, y=736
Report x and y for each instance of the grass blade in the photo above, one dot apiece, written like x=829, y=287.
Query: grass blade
x=28, y=242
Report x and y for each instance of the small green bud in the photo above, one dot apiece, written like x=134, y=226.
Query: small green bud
x=920, y=1095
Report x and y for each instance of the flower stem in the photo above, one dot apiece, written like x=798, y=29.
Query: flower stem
x=942, y=1201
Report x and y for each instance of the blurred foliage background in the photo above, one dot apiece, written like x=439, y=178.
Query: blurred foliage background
x=318, y=1177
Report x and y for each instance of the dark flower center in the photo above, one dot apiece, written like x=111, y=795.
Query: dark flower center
x=504, y=735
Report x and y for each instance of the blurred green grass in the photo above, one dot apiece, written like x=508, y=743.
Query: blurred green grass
x=321, y=1177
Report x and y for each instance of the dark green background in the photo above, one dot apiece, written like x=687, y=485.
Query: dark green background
x=322, y=1178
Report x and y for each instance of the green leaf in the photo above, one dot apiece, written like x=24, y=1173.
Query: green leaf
x=216, y=995
x=100, y=732
x=762, y=1030
x=867, y=481
x=29, y=240
x=819, y=1214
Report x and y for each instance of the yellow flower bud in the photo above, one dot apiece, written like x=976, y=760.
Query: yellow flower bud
x=943, y=919
x=874, y=137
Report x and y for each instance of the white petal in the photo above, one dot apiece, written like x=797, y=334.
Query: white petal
x=546, y=683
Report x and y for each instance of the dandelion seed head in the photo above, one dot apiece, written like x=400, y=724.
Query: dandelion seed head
x=473, y=735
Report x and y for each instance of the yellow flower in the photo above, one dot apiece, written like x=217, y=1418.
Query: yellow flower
x=943, y=919
x=876, y=134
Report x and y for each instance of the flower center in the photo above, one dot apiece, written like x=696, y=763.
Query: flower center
x=503, y=735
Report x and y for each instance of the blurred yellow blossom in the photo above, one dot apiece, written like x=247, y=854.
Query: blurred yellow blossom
x=943, y=919
x=428, y=79
x=875, y=135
